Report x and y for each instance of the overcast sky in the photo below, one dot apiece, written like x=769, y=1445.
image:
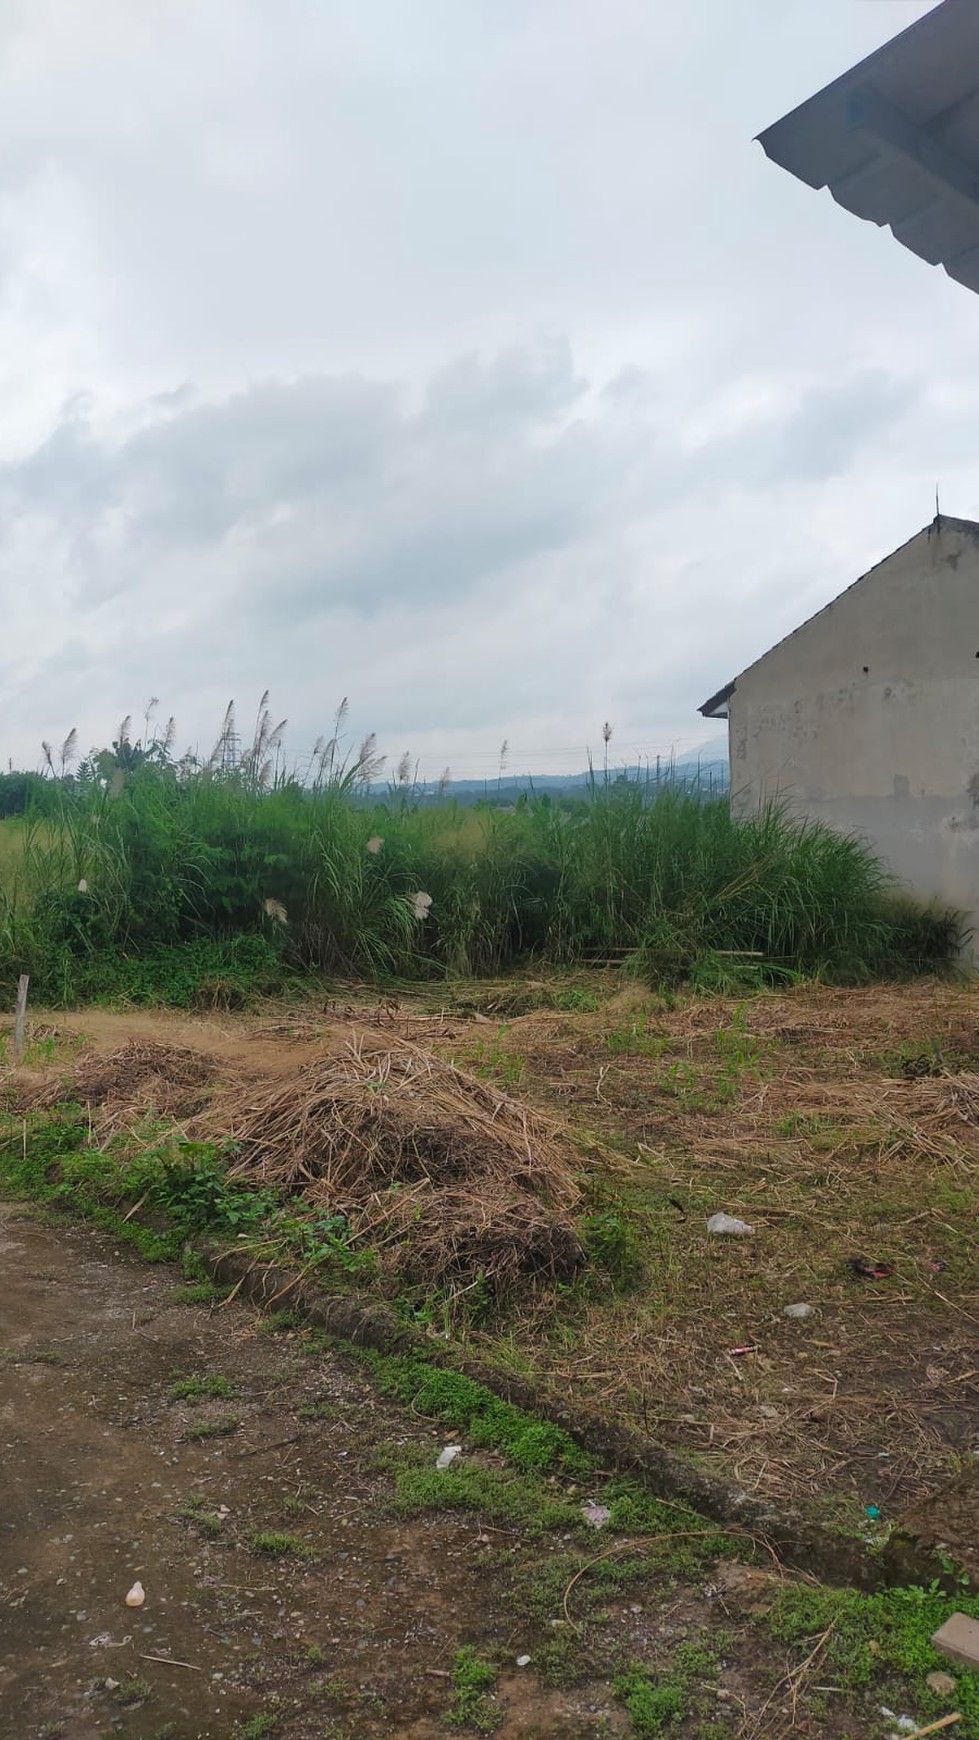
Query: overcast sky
x=465, y=357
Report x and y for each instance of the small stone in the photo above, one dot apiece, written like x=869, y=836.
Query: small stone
x=136, y=1596
x=523, y=1661
x=798, y=1311
x=941, y=1684
x=111, y=1685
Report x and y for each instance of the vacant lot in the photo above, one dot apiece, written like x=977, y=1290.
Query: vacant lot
x=840, y=1125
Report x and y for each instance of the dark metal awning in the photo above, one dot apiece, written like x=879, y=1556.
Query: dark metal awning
x=896, y=139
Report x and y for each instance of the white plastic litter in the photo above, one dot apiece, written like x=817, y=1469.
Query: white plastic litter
x=448, y=1456
x=728, y=1223
x=523, y=1661
x=799, y=1310
x=902, y=1724
x=596, y=1515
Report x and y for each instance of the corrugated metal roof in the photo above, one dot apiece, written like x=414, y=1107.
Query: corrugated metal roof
x=896, y=139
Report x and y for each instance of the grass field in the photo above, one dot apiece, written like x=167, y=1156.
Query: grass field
x=153, y=888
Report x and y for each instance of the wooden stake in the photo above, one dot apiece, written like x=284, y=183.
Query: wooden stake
x=934, y=1727
x=19, y=1017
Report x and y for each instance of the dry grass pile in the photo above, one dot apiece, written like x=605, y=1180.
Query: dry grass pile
x=451, y=1178
x=958, y=1095
x=140, y=1078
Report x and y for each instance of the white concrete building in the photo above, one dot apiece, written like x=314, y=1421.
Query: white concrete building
x=867, y=717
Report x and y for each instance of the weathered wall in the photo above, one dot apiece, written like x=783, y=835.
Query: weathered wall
x=867, y=718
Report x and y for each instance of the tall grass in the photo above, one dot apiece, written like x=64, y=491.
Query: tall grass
x=167, y=883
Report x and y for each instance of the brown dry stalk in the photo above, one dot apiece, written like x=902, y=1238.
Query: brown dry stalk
x=450, y=1177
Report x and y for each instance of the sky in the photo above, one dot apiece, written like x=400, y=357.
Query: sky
x=468, y=360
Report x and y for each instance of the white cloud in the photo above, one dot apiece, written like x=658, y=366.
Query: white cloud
x=468, y=360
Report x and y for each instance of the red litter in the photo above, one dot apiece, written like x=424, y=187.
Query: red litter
x=870, y=1271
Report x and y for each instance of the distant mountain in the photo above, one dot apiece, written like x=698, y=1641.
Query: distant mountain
x=707, y=772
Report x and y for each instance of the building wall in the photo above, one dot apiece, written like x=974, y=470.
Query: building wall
x=867, y=718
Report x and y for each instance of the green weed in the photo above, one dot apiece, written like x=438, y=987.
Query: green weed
x=575, y=1001
x=657, y=1702
x=738, y=1049
x=221, y=1427
x=915, y=1058
x=498, y=1062
x=519, y=1502
x=635, y=1037
x=614, y=1245
x=811, y=1124
x=47, y=1158
x=481, y=1417
x=132, y=1692
x=196, y=1388
x=880, y=1642
x=318, y=1411
x=200, y=1293
x=257, y=1727
x=279, y=1323
x=205, y=1522
x=35, y=1356
x=276, y=1545
x=470, y=1706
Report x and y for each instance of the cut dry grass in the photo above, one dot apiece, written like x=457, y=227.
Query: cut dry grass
x=804, y=1114
x=454, y=1180
x=141, y=1078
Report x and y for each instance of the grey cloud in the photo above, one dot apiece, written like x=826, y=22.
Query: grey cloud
x=516, y=368
x=832, y=425
x=326, y=490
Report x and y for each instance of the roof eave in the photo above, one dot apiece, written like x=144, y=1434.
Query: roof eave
x=716, y=707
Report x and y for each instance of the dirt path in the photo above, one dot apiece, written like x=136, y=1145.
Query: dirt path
x=104, y=1473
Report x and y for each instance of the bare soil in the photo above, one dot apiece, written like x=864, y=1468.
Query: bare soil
x=102, y=1481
